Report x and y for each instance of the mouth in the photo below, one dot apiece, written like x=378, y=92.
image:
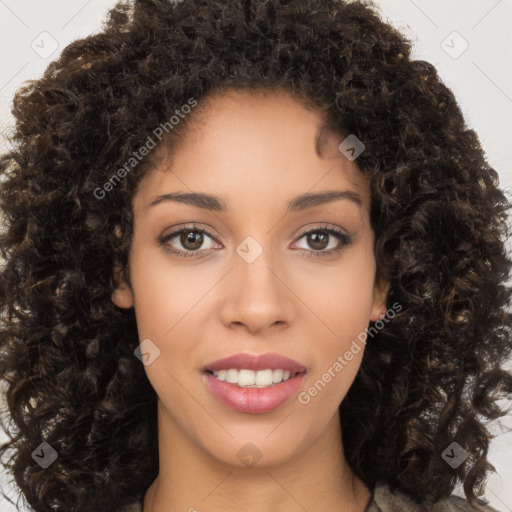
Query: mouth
x=254, y=384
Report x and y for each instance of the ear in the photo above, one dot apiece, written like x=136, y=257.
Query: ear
x=380, y=292
x=122, y=296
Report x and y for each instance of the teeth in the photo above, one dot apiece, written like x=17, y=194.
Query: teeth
x=251, y=379
x=246, y=378
x=277, y=375
x=262, y=377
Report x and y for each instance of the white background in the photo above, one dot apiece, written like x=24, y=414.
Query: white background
x=480, y=77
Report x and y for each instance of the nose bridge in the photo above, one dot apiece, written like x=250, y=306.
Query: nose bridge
x=257, y=297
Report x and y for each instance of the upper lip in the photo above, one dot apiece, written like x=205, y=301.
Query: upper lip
x=255, y=363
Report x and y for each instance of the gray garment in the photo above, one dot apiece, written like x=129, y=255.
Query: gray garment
x=383, y=500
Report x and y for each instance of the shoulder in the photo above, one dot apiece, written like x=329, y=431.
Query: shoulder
x=386, y=501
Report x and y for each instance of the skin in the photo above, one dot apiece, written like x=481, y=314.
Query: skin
x=256, y=151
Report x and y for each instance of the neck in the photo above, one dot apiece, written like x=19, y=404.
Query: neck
x=314, y=479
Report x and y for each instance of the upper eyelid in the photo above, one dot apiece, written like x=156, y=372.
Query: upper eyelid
x=327, y=227
x=177, y=231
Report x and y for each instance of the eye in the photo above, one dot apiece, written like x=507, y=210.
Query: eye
x=189, y=241
x=322, y=243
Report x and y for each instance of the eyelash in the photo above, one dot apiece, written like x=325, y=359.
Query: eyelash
x=345, y=239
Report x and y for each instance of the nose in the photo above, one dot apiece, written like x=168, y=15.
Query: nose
x=256, y=296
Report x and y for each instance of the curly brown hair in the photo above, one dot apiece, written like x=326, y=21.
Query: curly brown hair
x=433, y=375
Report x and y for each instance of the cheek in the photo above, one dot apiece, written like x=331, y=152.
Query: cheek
x=164, y=300
x=342, y=302
x=164, y=293
x=164, y=306
x=340, y=297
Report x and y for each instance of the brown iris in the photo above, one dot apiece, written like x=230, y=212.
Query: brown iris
x=195, y=237
x=313, y=240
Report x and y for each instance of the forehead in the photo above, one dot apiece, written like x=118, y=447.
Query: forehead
x=254, y=144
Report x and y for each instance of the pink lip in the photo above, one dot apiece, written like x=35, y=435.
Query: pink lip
x=254, y=400
x=255, y=363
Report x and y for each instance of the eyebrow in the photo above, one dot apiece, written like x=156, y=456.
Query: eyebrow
x=214, y=203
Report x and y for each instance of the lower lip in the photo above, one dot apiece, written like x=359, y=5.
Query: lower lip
x=253, y=400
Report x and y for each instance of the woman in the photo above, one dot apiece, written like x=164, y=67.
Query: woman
x=254, y=260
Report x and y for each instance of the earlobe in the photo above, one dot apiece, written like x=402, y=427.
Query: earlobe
x=380, y=292
x=122, y=296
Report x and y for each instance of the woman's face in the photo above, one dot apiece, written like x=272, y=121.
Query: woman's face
x=247, y=278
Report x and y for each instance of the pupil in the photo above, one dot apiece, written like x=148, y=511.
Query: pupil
x=190, y=236
x=313, y=240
